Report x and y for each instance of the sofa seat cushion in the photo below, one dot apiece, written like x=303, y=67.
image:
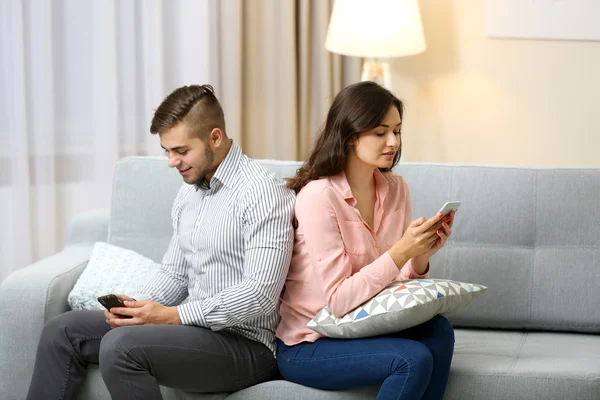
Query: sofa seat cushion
x=524, y=365
x=94, y=389
x=487, y=364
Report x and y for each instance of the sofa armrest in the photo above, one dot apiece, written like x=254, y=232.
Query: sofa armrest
x=28, y=298
x=89, y=227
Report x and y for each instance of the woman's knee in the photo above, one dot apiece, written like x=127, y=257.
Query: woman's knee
x=443, y=329
x=415, y=359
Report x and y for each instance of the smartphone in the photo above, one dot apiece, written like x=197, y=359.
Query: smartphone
x=449, y=206
x=110, y=300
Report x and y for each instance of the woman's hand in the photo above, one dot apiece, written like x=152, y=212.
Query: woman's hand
x=418, y=239
x=442, y=236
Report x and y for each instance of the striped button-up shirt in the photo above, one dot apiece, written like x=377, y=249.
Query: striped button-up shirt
x=230, y=251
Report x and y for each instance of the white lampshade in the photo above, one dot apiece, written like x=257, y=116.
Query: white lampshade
x=375, y=28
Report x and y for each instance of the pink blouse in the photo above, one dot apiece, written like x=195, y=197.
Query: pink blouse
x=338, y=260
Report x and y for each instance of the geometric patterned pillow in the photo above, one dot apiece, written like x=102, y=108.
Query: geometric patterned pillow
x=401, y=305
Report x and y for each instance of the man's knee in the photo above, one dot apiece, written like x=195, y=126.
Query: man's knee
x=59, y=327
x=116, y=346
x=111, y=345
x=421, y=360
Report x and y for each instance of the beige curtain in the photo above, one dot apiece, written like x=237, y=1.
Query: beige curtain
x=273, y=75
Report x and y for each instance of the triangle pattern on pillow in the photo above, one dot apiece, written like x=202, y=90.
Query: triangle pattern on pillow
x=399, y=296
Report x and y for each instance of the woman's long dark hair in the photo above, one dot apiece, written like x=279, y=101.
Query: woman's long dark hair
x=356, y=109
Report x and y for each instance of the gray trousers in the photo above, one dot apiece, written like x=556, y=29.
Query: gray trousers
x=135, y=360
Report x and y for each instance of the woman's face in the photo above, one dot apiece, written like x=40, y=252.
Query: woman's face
x=377, y=147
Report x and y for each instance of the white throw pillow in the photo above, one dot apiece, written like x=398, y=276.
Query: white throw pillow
x=399, y=306
x=111, y=269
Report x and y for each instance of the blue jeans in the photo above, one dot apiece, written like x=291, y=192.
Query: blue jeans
x=411, y=364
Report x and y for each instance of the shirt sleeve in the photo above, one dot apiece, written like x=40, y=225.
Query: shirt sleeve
x=169, y=286
x=343, y=290
x=407, y=271
x=268, y=243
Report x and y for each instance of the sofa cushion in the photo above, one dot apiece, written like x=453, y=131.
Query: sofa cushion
x=143, y=192
x=95, y=389
x=399, y=306
x=524, y=366
x=111, y=269
x=487, y=364
x=526, y=233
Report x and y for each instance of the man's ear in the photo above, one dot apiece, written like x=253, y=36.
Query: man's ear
x=215, y=137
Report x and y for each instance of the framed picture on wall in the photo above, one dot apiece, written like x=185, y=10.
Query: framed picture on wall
x=543, y=19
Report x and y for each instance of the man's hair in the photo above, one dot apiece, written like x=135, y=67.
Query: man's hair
x=195, y=105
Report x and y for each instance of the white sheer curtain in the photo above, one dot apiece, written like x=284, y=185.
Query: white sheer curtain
x=273, y=75
x=79, y=81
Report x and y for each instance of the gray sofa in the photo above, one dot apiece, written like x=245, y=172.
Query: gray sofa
x=531, y=235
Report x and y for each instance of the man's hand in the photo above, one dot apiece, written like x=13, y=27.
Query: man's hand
x=109, y=315
x=144, y=312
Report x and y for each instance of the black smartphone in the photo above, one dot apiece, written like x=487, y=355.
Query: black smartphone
x=110, y=300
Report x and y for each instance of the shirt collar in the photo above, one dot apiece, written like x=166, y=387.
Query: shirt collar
x=226, y=172
x=382, y=185
x=341, y=185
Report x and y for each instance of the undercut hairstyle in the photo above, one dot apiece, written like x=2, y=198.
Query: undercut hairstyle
x=195, y=105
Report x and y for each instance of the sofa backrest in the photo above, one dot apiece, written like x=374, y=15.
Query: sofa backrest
x=143, y=192
x=530, y=235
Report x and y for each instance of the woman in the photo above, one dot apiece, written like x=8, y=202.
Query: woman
x=354, y=237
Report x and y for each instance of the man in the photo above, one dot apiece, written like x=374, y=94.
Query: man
x=230, y=252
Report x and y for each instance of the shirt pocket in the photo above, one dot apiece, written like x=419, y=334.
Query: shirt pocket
x=357, y=239
x=392, y=227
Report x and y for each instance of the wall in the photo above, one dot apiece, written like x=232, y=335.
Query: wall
x=472, y=99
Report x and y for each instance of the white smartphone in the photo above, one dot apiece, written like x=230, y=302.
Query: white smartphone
x=449, y=206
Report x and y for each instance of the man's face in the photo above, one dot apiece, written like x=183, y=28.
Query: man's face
x=192, y=156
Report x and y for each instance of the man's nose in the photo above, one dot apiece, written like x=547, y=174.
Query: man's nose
x=173, y=161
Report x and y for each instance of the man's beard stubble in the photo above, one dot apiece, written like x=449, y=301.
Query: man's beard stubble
x=209, y=157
